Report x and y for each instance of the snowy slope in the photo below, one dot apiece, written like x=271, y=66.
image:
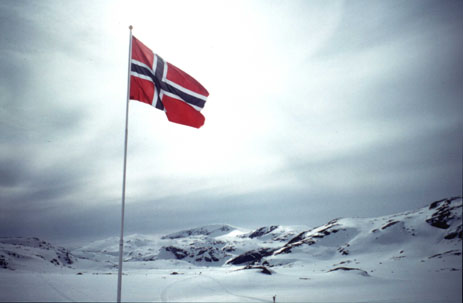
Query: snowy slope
x=414, y=256
x=435, y=230
x=32, y=254
x=429, y=231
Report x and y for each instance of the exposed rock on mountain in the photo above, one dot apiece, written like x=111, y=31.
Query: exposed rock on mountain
x=446, y=212
x=251, y=257
x=209, y=230
x=194, y=254
x=263, y=269
x=358, y=270
x=262, y=231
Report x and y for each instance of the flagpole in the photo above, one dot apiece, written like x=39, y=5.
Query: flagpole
x=121, y=241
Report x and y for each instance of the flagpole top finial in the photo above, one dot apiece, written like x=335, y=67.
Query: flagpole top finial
x=130, y=27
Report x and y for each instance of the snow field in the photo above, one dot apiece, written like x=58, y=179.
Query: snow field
x=389, y=282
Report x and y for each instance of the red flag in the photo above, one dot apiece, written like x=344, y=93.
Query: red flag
x=166, y=87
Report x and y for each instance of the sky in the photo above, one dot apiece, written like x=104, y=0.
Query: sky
x=317, y=110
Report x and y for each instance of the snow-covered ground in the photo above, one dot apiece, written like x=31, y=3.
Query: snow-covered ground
x=413, y=256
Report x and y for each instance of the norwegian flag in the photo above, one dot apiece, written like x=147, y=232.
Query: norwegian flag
x=166, y=87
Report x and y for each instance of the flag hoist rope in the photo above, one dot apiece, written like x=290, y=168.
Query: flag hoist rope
x=121, y=241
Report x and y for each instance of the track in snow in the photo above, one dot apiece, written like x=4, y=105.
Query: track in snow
x=170, y=287
x=54, y=288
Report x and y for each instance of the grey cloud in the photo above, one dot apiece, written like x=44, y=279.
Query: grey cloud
x=50, y=176
x=429, y=88
x=32, y=27
x=416, y=163
x=366, y=24
x=40, y=123
x=30, y=109
x=11, y=171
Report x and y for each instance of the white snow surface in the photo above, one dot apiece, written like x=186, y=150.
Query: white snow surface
x=413, y=256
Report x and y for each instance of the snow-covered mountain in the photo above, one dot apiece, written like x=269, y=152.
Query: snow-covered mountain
x=431, y=232
x=32, y=254
x=414, y=256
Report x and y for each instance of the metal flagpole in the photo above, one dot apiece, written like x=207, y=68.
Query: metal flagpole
x=121, y=241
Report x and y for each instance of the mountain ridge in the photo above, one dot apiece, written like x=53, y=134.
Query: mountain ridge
x=434, y=231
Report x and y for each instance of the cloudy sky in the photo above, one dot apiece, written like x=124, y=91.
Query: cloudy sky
x=317, y=110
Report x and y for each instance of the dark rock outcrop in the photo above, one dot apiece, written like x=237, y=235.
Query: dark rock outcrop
x=389, y=224
x=262, y=231
x=3, y=262
x=342, y=268
x=251, y=257
x=177, y=252
x=443, y=215
x=263, y=269
x=458, y=233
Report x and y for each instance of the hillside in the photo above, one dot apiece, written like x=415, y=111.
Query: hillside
x=432, y=231
x=407, y=253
